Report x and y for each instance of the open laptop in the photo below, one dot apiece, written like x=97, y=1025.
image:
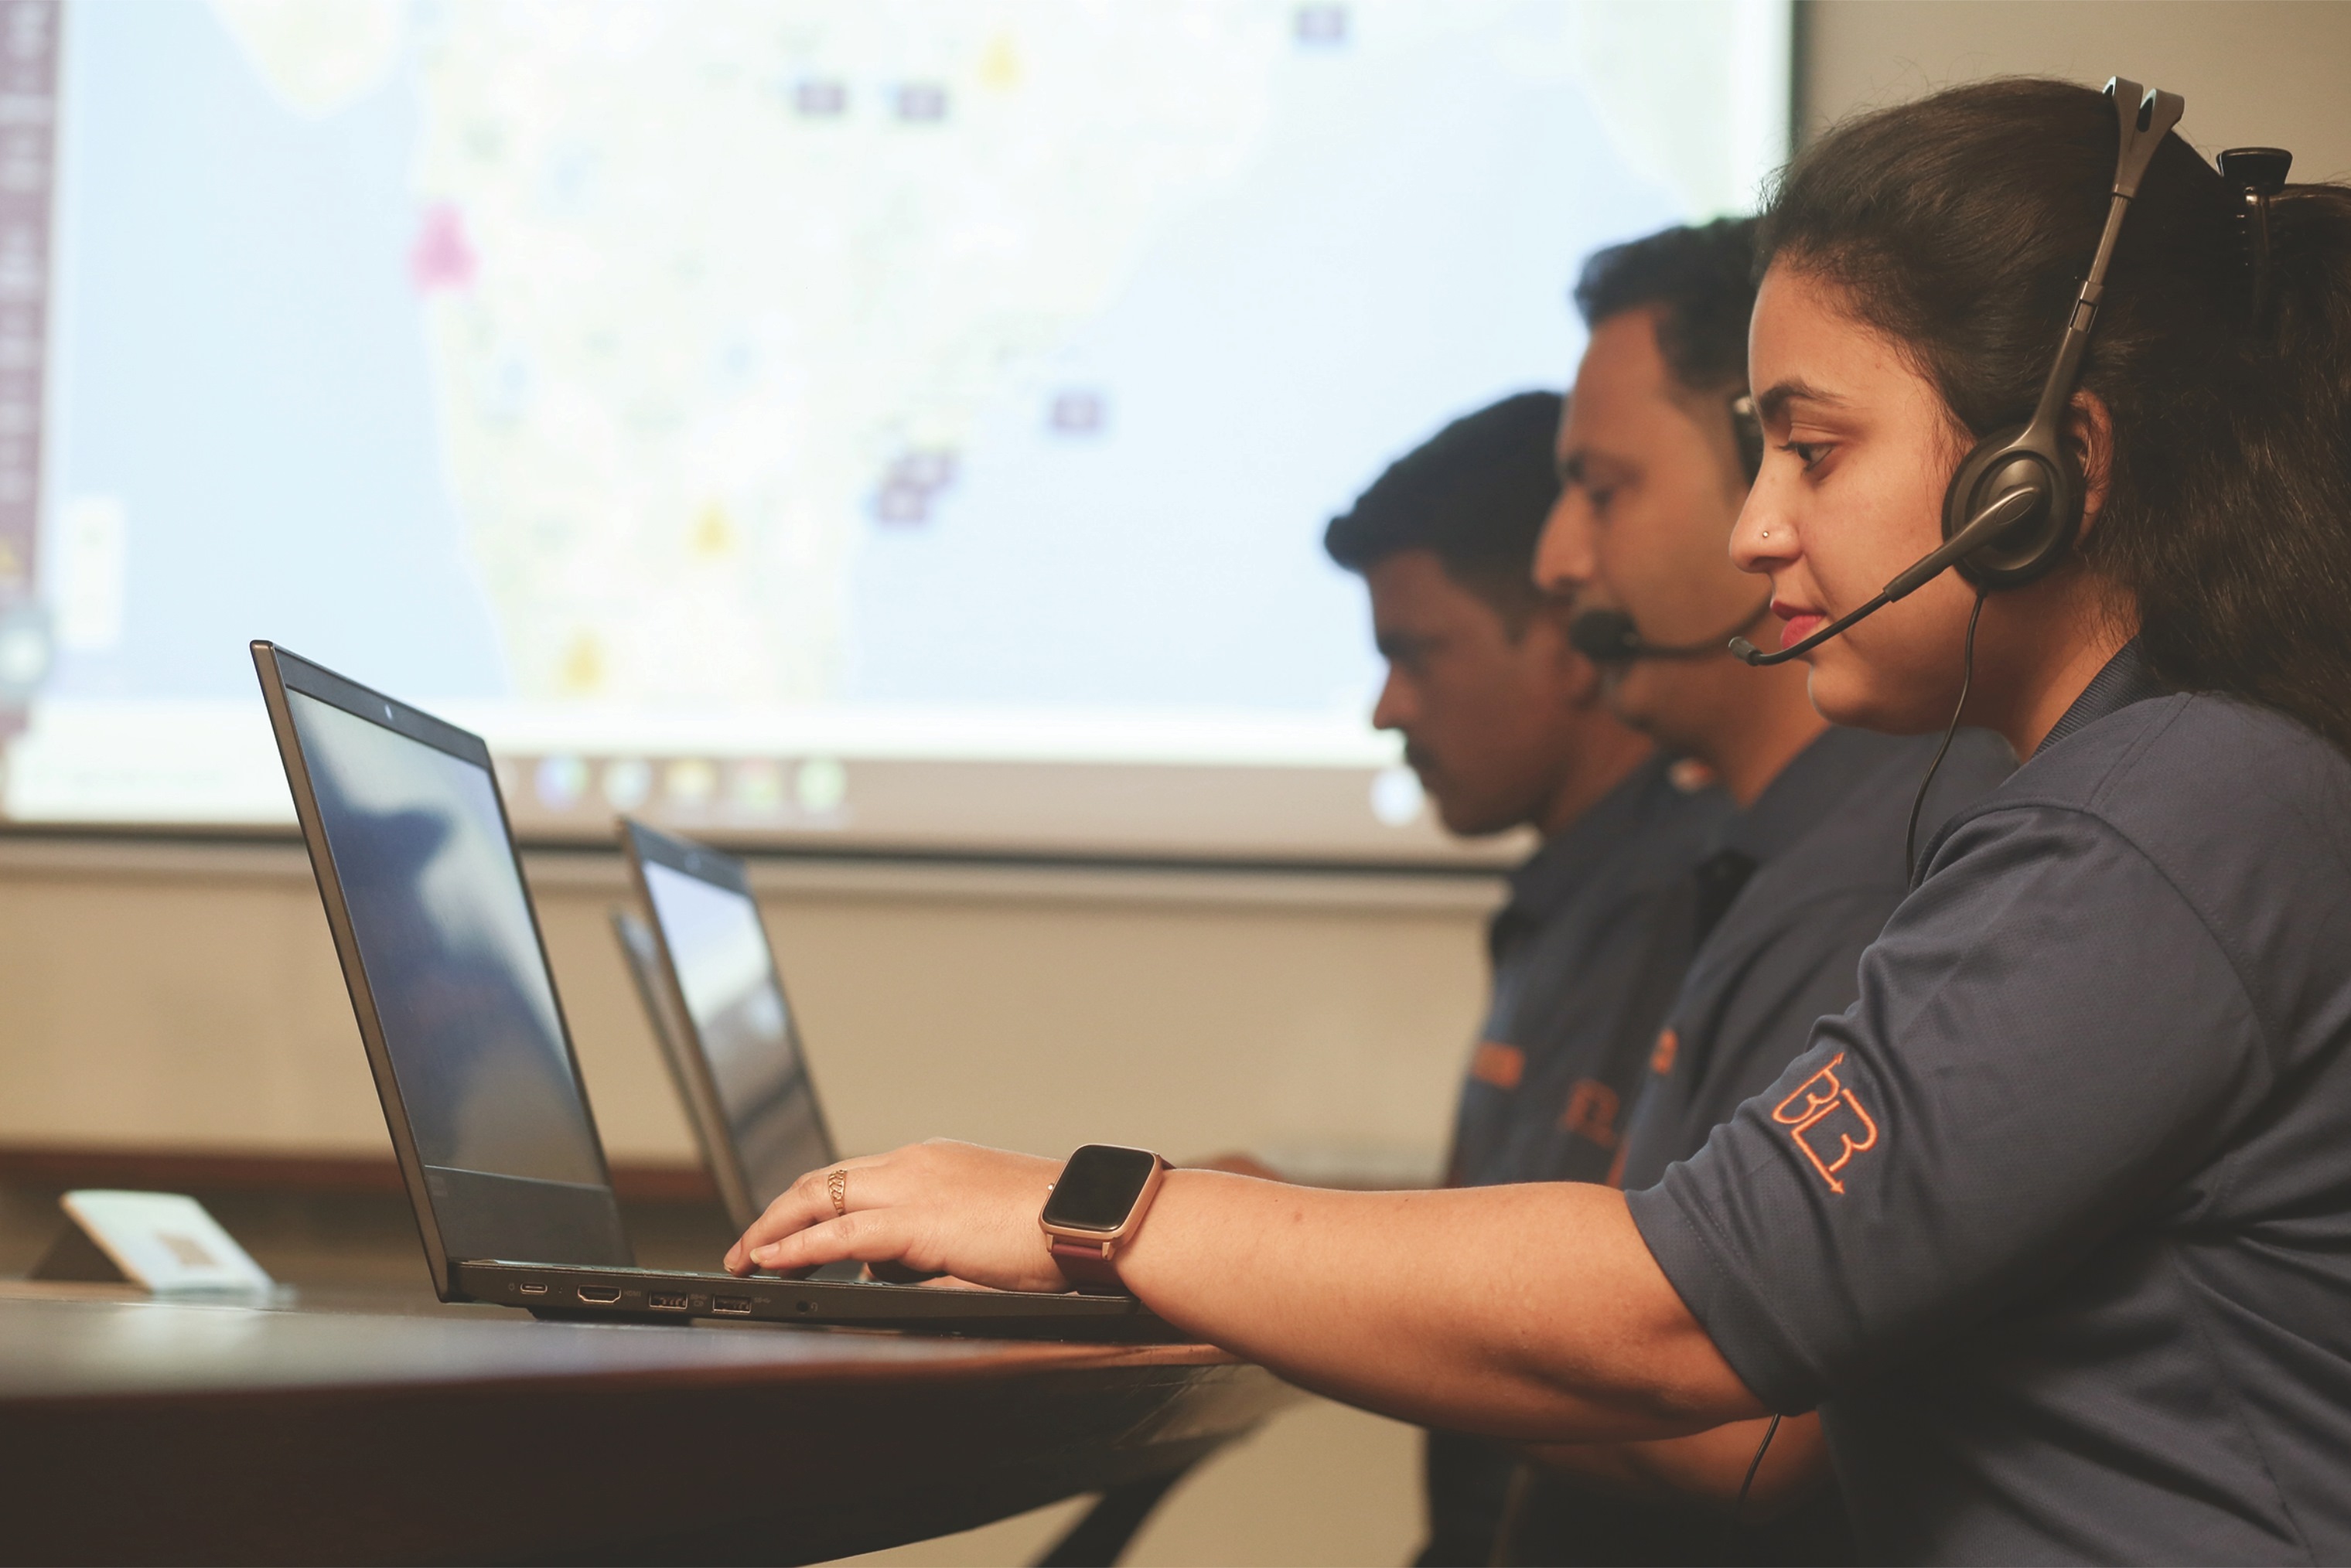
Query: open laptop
x=481, y=1090
x=707, y=975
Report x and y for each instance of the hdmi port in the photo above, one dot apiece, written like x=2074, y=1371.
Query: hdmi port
x=731, y=1306
x=666, y=1300
x=600, y=1295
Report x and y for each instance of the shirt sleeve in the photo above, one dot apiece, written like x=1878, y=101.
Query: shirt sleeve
x=2048, y=1041
x=1806, y=974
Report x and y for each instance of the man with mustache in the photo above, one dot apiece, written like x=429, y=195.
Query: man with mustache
x=1656, y=459
x=1503, y=722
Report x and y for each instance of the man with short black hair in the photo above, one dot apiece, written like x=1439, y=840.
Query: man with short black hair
x=1656, y=459
x=1505, y=724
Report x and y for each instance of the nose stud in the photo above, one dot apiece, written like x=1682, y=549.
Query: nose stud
x=1767, y=533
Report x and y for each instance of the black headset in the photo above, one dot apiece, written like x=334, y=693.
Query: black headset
x=2014, y=507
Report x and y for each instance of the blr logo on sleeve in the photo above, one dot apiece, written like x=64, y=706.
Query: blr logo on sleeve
x=1826, y=1122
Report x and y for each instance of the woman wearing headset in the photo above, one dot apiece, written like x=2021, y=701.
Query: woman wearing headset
x=2054, y=1226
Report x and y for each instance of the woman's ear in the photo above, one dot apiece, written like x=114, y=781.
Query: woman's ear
x=2090, y=435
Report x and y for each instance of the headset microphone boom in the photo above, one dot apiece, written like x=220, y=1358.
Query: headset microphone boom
x=1610, y=637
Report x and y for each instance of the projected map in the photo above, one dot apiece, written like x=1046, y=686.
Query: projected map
x=937, y=378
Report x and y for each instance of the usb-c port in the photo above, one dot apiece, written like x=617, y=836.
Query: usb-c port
x=532, y=1287
x=731, y=1306
x=600, y=1295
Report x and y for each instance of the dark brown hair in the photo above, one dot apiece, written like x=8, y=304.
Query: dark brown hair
x=1475, y=495
x=1960, y=226
x=1701, y=278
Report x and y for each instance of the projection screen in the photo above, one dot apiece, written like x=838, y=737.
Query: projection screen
x=874, y=423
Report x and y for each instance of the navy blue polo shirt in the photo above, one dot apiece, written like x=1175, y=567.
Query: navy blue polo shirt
x=1586, y=956
x=2054, y=1224
x=1823, y=843
x=1797, y=886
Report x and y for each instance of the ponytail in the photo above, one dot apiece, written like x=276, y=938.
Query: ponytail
x=2249, y=590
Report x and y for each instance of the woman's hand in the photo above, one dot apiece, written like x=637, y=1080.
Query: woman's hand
x=942, y=1207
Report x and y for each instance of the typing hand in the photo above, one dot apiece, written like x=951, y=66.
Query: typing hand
x=939, y=1208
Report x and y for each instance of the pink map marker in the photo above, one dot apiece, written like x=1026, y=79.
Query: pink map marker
x=441, y=257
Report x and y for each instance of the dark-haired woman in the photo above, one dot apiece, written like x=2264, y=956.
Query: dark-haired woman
x=2054, y=1226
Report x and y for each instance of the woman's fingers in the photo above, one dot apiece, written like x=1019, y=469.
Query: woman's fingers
x=807, y=1202
x=870, y=1237
x=937, y=1208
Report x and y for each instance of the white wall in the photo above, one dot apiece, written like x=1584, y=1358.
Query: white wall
x=2267, y=73
x=192, y=999
x=188, y=997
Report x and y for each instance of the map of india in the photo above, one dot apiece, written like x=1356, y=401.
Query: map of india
x=681, y=358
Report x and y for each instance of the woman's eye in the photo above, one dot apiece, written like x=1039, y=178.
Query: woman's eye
x=1808, y=453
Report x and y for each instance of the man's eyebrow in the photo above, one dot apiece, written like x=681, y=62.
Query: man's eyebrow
x=1775, y=403
x=1575, y=468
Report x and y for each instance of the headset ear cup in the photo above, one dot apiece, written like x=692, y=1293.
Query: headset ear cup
x=2001, y=462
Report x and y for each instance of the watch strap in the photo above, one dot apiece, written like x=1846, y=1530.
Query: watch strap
x=1085, y=1264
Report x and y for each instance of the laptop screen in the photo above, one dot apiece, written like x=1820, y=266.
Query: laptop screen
x=736, y=1005
x=445, y=932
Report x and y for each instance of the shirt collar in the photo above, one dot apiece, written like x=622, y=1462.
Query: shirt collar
x=1548, y=876
x=2124, y=680
x=1808, y=792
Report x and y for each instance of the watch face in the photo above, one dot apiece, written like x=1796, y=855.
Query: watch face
x=1099, y=1187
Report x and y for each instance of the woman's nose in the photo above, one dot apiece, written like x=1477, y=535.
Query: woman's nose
x=1761, y=540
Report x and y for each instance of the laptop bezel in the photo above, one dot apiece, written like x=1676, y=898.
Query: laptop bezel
x=640, y=844
x=282, y=672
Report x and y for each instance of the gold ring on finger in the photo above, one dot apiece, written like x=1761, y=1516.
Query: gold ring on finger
x=836, y=1182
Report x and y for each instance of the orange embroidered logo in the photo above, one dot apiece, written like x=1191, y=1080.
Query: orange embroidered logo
x=1592, y=1113
x=1661, y=1060
x=1820, y=1108
x=1498, y=1065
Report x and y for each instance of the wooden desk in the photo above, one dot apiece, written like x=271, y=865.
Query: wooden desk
x=368, y=1431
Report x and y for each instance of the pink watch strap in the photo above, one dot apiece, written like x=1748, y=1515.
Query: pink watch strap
x=1085, y=1264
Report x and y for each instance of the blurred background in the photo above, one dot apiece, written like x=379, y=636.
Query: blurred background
x=892, y=440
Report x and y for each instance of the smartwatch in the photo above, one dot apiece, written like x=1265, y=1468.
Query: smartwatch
x=1094, y=1207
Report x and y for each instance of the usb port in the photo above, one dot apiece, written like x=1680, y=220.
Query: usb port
x=533, y=1286
x=600, y=1295
x=731, y=1306
x=666, y=1300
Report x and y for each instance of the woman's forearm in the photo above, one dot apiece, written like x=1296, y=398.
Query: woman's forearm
x=1526, y=1313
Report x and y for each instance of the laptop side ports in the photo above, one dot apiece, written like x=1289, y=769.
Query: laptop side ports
x=667, y=1301
x=600, y=1295
x=731, y=1306
x=531, y=1288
